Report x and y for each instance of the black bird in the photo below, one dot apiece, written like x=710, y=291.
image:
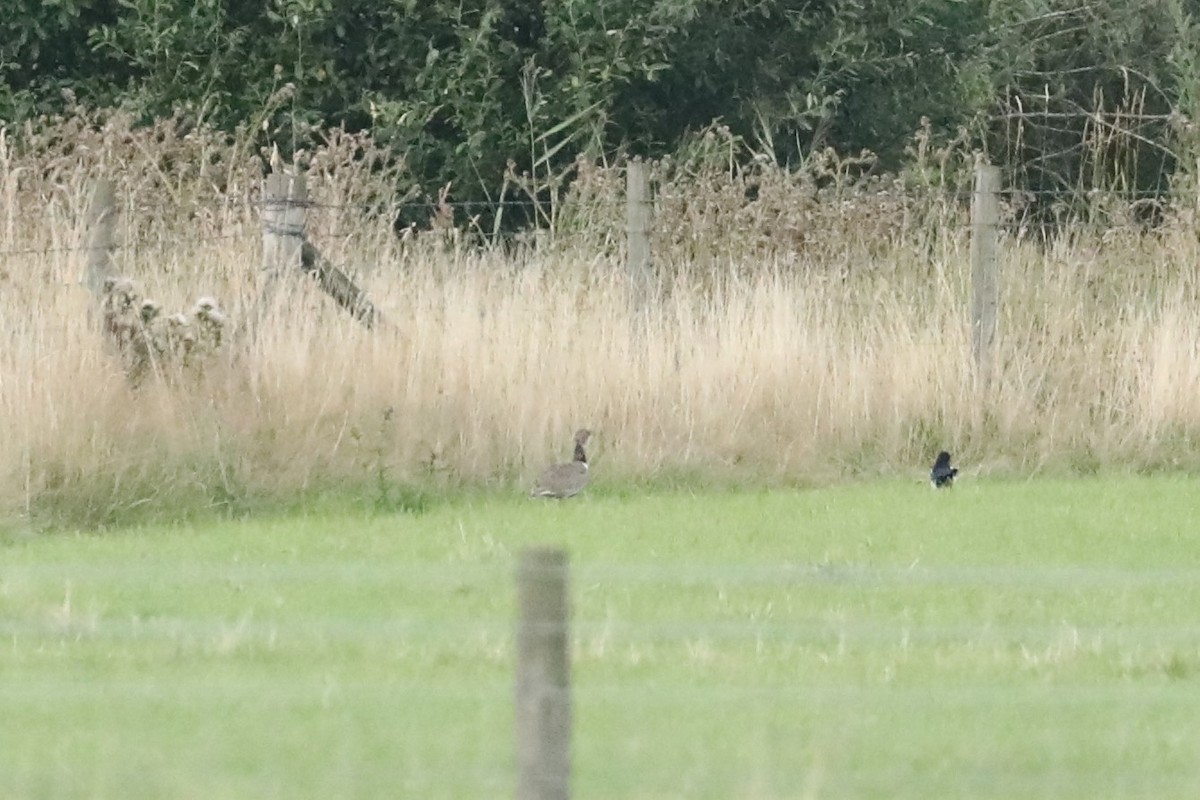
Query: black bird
x=942, y=474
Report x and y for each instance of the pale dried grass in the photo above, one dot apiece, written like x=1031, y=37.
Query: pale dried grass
x=781, y=360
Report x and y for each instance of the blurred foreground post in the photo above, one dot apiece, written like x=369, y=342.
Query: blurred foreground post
x=543, y=677
x=985, y=267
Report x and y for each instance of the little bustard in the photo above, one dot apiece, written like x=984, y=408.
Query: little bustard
x=566, y=480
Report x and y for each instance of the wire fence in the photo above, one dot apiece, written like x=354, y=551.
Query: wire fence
x=642, y=238
x=923, y=194
x=1114, y=218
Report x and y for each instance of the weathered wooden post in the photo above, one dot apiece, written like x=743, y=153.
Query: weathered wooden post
x=101, y=224
x=985, y=267
x=285, y=208
x=638, y=209
x=286, y=251
x=637, y=221
x=543, y=677
x=339, y=286
x=1196, y=186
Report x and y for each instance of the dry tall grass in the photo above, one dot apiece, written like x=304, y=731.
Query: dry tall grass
x=803, y=334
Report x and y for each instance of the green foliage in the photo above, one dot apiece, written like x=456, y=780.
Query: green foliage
x=176, y=52
x=1066, y=59
x=44, y=50
x=500, y=97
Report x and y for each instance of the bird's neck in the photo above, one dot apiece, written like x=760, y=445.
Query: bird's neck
x=580, y=456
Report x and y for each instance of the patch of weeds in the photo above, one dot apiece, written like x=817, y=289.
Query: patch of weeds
x=1085, y=461
x=1174, y=665
x=927, y=436
x=1177, y=667
x=400, y=498
x=865, y=460
x=175, y=492
x=386, y=495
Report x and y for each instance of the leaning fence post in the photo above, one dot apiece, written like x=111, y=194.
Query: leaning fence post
x=285, y=207
x=543, y=699
x=637, y=227
x=101, y=224
x=985, y=268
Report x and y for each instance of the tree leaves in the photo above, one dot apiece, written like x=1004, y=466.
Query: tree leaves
x=446, y=82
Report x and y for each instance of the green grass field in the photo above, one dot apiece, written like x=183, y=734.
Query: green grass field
x=1009, y=639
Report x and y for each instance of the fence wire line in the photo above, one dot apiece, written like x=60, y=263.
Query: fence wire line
x=1013, y=193
x=140, y=244
x=41, y=688
x=1012, y=227
x=699, y=574
x=850, y=187
x=851, y=190
x=755, y=624
x=591, y=632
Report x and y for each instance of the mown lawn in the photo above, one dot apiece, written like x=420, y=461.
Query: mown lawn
x=1009, y=639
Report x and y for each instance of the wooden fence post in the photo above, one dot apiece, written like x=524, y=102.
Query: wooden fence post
x=637, y=227
x=985, y=267
x=543, y=677
x=1196, y=187
x=287, y=251
x=285, y=207
x=339, y=286
x=101, y=224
